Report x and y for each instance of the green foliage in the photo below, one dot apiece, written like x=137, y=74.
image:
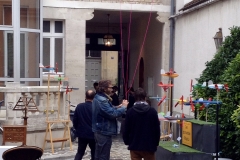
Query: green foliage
x=236, y=117
x=224, y=68
x=229, y=131
x=228, y=51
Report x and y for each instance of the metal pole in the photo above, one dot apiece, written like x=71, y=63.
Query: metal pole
x=171, y=52
x=217, y=131
x=172, y=23
x=170, y=98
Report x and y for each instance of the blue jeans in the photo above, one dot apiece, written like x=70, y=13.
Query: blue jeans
x=82, y=144
x=103, y=146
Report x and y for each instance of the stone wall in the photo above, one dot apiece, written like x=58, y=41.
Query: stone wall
x=164, y=2
x=74, y=45
x=36, y=123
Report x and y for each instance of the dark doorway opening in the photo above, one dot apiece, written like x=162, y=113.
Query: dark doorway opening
x=141, y=74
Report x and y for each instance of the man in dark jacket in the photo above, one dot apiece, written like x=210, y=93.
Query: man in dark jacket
x=131, y=98
x=82, y=122
x=95, y=86
x=114, y=96
x=142, y=128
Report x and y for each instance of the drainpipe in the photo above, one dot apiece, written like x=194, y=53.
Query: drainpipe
x=171, y=52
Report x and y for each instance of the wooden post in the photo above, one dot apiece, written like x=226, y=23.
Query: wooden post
x=48, y=95
x=69, y=106
x=25, y=110
x=59, y=84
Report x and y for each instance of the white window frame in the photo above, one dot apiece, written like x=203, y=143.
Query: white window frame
x=52, y=36
x=15, y=28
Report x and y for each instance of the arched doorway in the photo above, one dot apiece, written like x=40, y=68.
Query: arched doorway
x=141, y=74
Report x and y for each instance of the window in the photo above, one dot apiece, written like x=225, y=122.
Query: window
x=100, y=41
x=87, y=40
x=20, y=33
x=93, y=54
x=53, y=44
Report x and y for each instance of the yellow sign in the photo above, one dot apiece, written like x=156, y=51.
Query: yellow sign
x=187, y=133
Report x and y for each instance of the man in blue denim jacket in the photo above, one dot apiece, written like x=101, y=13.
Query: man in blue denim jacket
x=104, y=123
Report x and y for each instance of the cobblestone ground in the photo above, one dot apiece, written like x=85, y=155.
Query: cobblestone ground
x=119, y=151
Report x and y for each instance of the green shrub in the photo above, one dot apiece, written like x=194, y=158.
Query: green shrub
x=224, y=68
x=229, y=131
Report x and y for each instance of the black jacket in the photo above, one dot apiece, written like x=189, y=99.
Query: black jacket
x=142, y=128
x=115, y=100
x=82, y=120
x=131, y=100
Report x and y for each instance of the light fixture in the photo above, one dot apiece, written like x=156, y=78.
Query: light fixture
x=218, y=38
x=108, y=38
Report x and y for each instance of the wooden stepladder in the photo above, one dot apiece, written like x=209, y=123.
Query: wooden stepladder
x=51, y=140
x=59, y=119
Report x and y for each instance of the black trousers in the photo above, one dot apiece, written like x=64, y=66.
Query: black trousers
x=82, y=145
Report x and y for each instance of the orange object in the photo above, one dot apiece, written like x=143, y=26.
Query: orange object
x=165, y=86
x=171, y=74
x=160, y=102
x=202, y=107
x=226, y=87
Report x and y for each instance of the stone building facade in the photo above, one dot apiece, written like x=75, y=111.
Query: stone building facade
x=149, y=38
x=164, y=2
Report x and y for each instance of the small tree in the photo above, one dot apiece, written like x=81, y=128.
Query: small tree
x=229, y=131
x=220, y=70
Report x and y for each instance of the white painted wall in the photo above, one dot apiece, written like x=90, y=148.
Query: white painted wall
x=180, y=4
x=151, y=52
x=153, y=57
x=194, y=44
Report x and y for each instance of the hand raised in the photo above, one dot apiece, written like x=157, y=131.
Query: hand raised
x=125, y=103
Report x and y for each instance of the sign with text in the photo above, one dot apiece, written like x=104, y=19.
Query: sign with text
x=187, y=133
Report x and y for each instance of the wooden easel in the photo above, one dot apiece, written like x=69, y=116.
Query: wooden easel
x=51, y=123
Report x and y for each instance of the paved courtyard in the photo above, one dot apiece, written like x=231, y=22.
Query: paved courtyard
x=119, y=151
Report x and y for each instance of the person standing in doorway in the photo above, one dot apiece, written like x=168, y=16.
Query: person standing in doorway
x=142, y=128
x=114, y=96
x=115, y=102
x=104, y=124
x=131, y=98
x=82, y=122
x=95, y=86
